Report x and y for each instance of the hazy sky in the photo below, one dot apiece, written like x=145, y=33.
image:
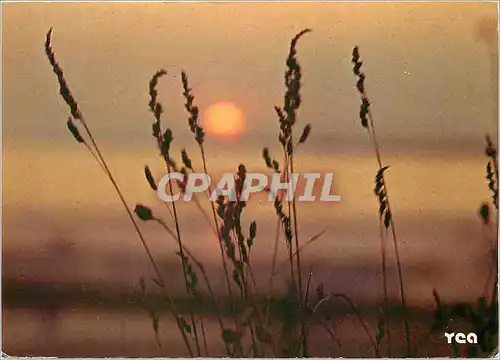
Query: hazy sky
x=428, y=65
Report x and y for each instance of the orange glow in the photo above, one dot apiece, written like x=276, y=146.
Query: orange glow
x=224, y=119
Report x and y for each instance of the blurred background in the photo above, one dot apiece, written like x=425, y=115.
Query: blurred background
x=71, y=259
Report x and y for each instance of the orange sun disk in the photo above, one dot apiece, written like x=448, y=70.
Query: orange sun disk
x=224, y=119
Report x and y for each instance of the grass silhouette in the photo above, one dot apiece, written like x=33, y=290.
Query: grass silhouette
x=265, y=325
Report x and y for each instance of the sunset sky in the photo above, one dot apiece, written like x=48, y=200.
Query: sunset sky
x=428, y=65
x=431, y=78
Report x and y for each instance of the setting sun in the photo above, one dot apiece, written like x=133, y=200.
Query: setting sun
x=224, y=119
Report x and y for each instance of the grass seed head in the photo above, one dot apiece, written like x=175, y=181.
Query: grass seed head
x=63, y=85
x=194, y=126
x=150, y=178
x=305, y=134
x=143, y=212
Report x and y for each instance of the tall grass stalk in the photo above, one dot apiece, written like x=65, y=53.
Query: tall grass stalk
x=292, y=102
x=385, y=209
x=287, y=116
x=164, y=141
x=199, y=136
x=78, y=115
x=383, y=250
